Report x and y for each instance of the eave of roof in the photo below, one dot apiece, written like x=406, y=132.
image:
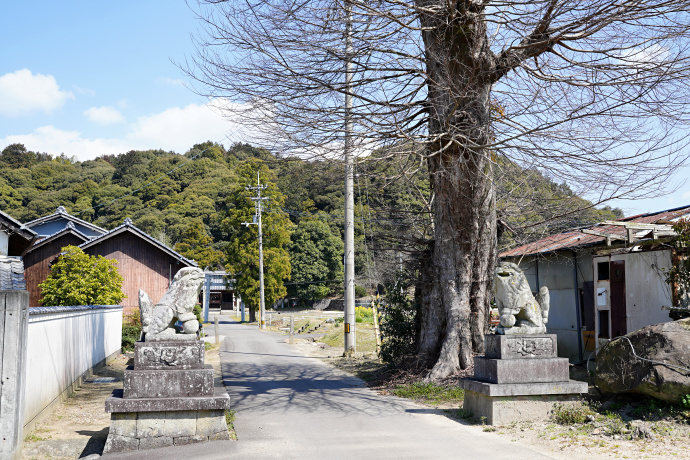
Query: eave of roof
x=577, y=240
x=17, y=227
x=62, y=214
x=127, y=226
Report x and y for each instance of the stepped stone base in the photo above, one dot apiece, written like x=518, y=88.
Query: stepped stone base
x=519, y=378
x=149, y=430
x=168, y=399
x=168, y=383
x=533, y=370
x=507, y=409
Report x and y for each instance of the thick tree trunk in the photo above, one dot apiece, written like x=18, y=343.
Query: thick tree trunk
x=460, y=167
x=252, y=314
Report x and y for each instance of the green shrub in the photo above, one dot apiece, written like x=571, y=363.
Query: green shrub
x=429, y=392
x=360, y=292
x=685, y=402
x=198, y=311
x=398, y=321
x=571, y=413
x=130, y=334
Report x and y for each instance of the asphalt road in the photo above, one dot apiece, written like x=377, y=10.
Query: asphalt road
x=292, y=406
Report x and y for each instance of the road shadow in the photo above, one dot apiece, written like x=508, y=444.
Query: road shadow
x=96, y=442
x=266, y=382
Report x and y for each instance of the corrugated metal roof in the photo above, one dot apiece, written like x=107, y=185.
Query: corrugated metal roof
x=12, y=274
x=577, y=239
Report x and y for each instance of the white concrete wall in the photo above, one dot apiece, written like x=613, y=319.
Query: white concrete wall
x=64, y=343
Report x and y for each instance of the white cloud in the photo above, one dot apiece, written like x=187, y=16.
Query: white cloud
x=22, y=93
x=179, y=129
x=176, y=129
x=55, y=141
x=104, y=115
x=686, y=195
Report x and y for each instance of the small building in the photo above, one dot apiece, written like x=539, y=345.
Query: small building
x=221, y=292
x=143, y=261
x=605, y=280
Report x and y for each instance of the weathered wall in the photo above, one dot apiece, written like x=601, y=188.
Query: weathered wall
x=37, y=264
x=64, y=345
x=646, y=289
x=141, y=264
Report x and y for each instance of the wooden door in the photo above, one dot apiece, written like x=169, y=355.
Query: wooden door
x=619, y=323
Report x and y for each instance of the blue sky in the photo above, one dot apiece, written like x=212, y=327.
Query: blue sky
x=87, y=78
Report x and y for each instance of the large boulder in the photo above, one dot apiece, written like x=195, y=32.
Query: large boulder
x=667, y=377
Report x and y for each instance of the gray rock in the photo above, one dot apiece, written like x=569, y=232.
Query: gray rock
x=124, y=424
x=180, y=423
x=667, y=378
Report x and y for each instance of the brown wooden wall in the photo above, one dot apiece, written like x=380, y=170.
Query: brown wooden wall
x=141, y=264
x=37, y=264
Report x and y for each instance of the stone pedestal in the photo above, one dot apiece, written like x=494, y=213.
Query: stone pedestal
x=519, y=378
x=168, y=399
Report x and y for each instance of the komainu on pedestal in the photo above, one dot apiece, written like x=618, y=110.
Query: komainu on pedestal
x=168, y=397
x=520, y=375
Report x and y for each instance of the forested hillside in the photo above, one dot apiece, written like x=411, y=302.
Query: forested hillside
x=188, y=201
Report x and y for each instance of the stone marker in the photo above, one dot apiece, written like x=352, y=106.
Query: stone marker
x=168, y=396
x=520, y=375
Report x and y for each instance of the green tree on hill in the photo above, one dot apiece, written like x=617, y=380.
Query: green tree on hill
x=316, y=254
x=196, y=245
x=242, y=251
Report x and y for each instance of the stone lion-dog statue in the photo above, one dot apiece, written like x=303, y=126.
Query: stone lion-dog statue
x=520, y=312
x=158, y=322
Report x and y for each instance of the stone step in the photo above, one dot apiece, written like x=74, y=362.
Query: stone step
x=168, y=383
x=534, y=370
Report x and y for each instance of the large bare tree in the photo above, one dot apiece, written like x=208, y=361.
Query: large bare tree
x=593, y=93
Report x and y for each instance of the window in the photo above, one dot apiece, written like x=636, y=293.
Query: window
x=603, y=271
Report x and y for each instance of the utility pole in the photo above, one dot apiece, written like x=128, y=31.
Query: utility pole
x=350, y=338
x=258, y=204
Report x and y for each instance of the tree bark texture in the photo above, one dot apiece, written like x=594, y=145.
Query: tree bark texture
x=461, y=174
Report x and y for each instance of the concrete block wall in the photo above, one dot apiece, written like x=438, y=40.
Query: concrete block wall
x=66, y=344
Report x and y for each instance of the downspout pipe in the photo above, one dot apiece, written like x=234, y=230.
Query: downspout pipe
x=577, y=307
